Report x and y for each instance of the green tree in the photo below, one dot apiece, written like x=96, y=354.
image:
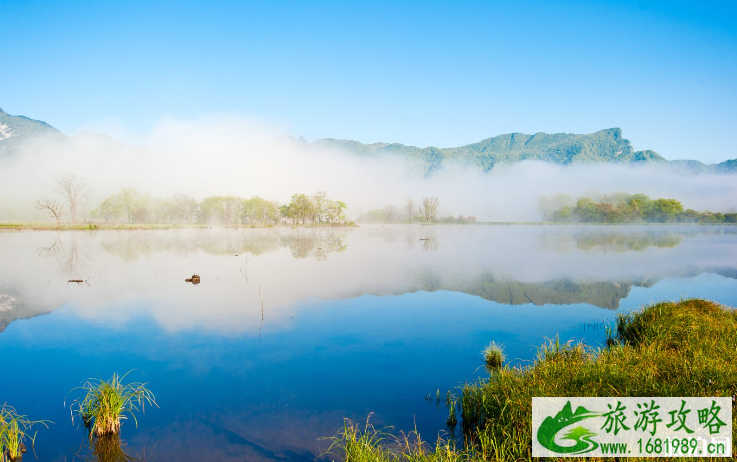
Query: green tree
x=110, y=209
x=640, y=205
x=259, y=210
x=212, y=209
x=430, y=207
x=689, y=216
x=665, y=210
x=129, y=200
x=587, y=210
x=564, y=214
x=320, y=204
x=335, y=211
x=301, y=207
x=288, y=214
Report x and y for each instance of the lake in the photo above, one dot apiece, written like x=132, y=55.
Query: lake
x=292, y=330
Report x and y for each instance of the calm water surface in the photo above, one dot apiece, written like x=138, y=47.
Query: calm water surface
x=290, y=331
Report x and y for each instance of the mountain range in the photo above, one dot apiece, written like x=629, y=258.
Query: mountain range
x=15, y=130
x=559, y=148
x=607, y=146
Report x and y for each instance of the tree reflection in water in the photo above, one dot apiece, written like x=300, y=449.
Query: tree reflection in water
x=69, y=258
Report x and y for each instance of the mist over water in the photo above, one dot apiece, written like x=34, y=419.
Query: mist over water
x=230, y=155
x=143, y=271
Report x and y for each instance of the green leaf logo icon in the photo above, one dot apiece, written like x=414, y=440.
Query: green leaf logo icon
x=551, y=426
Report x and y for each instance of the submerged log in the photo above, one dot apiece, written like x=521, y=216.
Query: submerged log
x=79, y=281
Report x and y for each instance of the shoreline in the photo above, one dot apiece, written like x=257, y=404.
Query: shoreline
x=155, y=226
x=491, y=418
x=147, y=226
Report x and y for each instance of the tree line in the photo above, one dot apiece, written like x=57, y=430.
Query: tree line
x=624, y=208
x=131, y=206
x=425, y=211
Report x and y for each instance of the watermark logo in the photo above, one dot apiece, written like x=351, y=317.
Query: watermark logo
x=551, y=426
x=632, y=427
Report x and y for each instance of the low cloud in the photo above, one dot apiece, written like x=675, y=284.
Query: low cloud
x=232, y=155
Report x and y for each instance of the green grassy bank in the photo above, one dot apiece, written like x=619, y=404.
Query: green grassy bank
x=686, y=348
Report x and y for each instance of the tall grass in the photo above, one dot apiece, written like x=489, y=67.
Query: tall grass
x=15, y=430
x=684, y=348
x=106, y=403
x=356, y=443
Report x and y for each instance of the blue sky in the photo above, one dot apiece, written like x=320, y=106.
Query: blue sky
x=422, y=73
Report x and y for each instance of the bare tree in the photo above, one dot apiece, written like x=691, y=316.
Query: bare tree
x=185, y=207
x=54, y=207
x=430, y=208
x=410, y=208
x=545, y=207
x=73, y=189
x=489, y=208
x=391, y=213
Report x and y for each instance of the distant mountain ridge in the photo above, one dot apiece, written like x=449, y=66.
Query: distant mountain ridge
x=15, y=130
x=560, y=148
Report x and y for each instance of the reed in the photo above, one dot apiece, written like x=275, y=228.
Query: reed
x=15, y=430
x=357, y=443
x=106, y=403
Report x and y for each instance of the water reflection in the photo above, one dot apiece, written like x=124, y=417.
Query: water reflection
x=109, y=448
x=604, y=294
x=315, y=243
x=625, y=239
x=67, y=256
x=429, y=240
x=256, y=276
x=291, y=330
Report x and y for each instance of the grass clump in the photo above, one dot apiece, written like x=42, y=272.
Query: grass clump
x=15, y=430
x=356, y=443
x=106, y=403
x=493, y=355
x=684, y=348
